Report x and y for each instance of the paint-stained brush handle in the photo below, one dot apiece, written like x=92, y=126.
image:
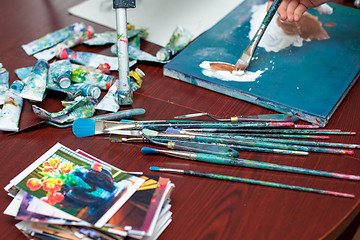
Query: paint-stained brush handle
x=251, y=181
x=120, y=115
x=266, y=118
x=203, y=148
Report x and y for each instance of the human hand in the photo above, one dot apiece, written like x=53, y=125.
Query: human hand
x=292, y=10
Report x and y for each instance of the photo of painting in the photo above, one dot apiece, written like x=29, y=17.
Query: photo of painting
x=303, y=69
x=79, y=186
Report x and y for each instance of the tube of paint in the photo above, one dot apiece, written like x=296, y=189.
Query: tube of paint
x=49, y=40
x=140, y=55
x=110, y=101
x=88, y=58
x=23, y=73
x=4, y=83
x=81, y=107
x=87, y=89
x=10, y=114
x=178, y=41
x=136, y=79
x=35, y=84
x=84, y=74
x=61, y=73
x=110, y=37
x=80, y=34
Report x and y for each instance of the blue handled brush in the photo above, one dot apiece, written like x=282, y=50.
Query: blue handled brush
x=237, y=162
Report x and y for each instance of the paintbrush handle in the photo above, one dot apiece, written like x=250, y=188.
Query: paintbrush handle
x=159, y=126
x=266, y=118
x=120, y=114
x=272, y=131
x=267, y=150
x=268, y=166
x=272, y=10
x=251, y=148
x=249, y=51
x=272, y=145
x=220, y=150
x=263, y=183
x=300, y=142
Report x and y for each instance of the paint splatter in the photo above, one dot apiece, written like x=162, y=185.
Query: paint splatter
x=223, y=71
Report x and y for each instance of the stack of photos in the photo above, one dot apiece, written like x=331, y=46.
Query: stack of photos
x=68, y=194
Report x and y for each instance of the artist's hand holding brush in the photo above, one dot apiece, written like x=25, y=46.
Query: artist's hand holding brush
x=292, y=10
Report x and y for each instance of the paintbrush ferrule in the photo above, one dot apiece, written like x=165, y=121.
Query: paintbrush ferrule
x=179, y=154
x=177, y=136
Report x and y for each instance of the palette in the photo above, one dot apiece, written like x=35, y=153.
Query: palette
x=308, y=81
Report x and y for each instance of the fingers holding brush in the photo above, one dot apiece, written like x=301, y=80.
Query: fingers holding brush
x=292, y=10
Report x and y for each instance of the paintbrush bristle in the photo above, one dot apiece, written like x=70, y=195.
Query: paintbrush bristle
x=150, y=133
x=240, y=67
x=83, y=127
x=149, y=150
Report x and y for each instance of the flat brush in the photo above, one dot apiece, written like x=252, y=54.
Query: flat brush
x=238, y=162
x=250, y=181
x=246, y=56
x=251, y=118
x=255, y=149
x=109, y=116
x=84, y=127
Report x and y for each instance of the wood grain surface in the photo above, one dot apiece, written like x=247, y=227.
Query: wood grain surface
x=202, y=208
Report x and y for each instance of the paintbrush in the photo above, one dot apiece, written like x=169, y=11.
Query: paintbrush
x=285, y=141
x=215, y=149
x=109, y=116
x=222, y=150
x=209, y=158
x=251, y=143
x=251, y=181
x=84, y=127
x=246, y=56
x=251, y=118
x=262, y=135
x=271, y=131
x=254, y=149
x=300, y=142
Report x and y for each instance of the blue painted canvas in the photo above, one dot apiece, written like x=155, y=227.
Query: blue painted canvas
x=308, y=81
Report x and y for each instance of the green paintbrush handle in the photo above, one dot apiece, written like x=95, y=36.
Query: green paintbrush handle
x=268, y=166
x=120, y=114
x=265, y=183
x=203, y=148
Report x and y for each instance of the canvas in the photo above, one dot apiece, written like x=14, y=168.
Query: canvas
x=308, y=81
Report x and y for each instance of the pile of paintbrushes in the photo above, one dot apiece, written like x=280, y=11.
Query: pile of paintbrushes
x=218, y=142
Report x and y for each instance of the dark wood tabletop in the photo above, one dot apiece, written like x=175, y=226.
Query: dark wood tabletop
x=202, y=208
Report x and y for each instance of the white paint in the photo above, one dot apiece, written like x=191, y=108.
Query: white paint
x=227, y=76
x=274, y=38
x=325, y=9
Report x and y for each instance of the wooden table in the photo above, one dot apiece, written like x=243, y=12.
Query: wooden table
x=202, y=208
